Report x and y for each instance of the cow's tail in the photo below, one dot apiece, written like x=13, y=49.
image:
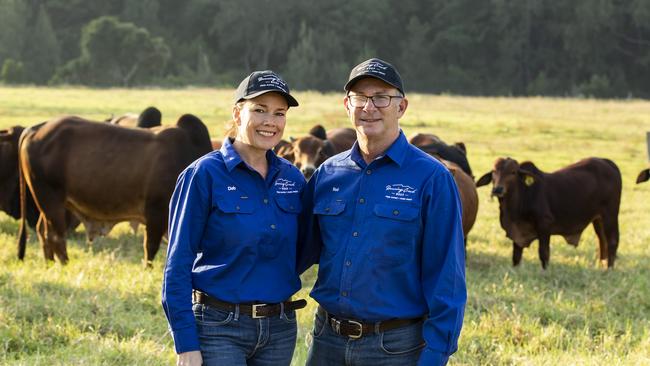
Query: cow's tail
x=22, y=233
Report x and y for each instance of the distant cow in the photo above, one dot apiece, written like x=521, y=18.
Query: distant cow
x=9, y=182
x=150, y=117
x=105, y=174
x=468, y=195
x=643, y=176
x=535, y=205
x=433, y=145
x=309, y=152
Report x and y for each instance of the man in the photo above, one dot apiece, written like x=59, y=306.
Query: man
x=383, y=220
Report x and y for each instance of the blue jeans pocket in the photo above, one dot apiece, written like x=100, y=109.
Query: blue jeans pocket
x=210, y=317
x=289, y=316
x=402, y=340
x=319, y=326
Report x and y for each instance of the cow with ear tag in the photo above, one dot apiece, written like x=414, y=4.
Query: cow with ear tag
x=535, y=205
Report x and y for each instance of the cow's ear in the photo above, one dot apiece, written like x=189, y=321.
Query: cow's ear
x=527, y=177
x=643, y=176
x=485, y=179
x=461, y=147
x=292, y=139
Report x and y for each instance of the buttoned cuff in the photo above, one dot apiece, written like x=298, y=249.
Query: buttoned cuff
x=186, y=340
x=429, y=357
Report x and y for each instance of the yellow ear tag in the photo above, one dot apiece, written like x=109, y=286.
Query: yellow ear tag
x=529, y=180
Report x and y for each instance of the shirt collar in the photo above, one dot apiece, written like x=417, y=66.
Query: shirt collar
x=396, y=152
x=232, y=158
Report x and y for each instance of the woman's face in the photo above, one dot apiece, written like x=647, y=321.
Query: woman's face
x=261, y=120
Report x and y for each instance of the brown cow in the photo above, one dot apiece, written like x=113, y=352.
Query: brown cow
x=535, y=205
x=148, y=118
x=106, y=174
x=308, y=152
x=643, y=176
x=468, y=195
x=433, y=145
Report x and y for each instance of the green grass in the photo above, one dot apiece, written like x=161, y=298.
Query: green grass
x=104, y=309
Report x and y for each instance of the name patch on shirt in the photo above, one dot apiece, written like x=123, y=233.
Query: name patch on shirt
x=285, y=186
x=400, y=192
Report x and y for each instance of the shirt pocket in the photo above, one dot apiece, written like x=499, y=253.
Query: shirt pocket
x=289, y=205
x=231, y=226
x=333, y=224
x=395, y=226
x=235, y=206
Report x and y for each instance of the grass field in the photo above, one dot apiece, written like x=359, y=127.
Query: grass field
x=104, y=309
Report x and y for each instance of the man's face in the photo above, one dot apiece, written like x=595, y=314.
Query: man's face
x=372, y=122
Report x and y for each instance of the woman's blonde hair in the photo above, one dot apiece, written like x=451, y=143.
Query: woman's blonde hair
x=231, y=126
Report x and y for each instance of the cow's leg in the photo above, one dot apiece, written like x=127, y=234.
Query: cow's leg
x=156, y=222
x=53, y=221
x=544, y=250
x=599, y=228
x=517, y=251
x=611, y=230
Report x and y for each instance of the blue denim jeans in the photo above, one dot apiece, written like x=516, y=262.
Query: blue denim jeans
x=401, y=346
x=230, y=338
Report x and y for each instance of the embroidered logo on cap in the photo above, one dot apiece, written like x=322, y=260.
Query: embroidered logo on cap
x=373, y=67
x=273, y=82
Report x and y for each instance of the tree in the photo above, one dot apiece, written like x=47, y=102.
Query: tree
x=41, y=52
x=116, y=53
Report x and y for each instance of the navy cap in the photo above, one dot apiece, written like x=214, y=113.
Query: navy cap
x=260, y=82
x=378, y=69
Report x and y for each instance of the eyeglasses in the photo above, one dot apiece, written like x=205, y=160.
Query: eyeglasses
x=379, y=101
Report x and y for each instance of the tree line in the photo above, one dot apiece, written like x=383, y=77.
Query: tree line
x=598, y=48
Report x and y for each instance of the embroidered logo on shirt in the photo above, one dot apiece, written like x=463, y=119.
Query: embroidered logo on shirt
x=335, y=189
x=400, y=192
x=232, y=188
x=285, y=186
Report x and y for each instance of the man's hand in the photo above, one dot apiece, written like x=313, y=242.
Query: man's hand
x=192, y=358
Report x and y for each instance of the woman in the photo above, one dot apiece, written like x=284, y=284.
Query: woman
x=230, y=270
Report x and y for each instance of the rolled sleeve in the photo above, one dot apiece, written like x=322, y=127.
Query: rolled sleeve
x=443, y=269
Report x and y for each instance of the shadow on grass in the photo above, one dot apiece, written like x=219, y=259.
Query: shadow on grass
x=48, y=317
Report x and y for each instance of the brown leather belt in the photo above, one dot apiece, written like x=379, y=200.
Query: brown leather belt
x=356, y=329
x=253, y=310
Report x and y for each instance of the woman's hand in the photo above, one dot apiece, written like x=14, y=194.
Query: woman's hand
x=192, y=358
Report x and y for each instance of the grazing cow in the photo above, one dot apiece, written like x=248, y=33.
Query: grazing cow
x=535, y=205
x=468, y=195
x=433, y=145
x=105, y=174
x=150, y=117
x=9, y=182
x=308, y=152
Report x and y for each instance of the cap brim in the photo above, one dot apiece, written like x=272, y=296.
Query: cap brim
x=350, y=82
x=291, y=101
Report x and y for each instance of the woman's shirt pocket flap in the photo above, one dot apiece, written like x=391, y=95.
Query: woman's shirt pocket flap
x=245, y=206
x=288, y=204
x=396, y=212
x=329, y=208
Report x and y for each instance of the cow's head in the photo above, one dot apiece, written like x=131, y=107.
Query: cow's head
x=309, y=153
x=508, y=176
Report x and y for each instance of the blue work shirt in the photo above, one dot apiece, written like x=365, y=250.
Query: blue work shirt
x=388, y=236
x=232, y=235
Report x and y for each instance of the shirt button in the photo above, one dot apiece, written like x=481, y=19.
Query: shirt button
x=273, y=226
x=368, y=171
x=348, y=263
x=361, y=200
x=237, y=208
x=356, y=233
x=395, y=212
x=266, y=200
x=344, y=293
x=327, y=209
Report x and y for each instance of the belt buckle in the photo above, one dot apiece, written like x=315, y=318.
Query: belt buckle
x=254, y=311
x=356, y=336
